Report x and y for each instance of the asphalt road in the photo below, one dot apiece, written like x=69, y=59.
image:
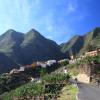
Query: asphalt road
x=88, y=92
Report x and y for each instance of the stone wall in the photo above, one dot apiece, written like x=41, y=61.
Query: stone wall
x=89, y=69
x=89, y=73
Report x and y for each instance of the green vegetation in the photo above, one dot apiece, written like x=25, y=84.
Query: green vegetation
x=64, y=62
x=68, y=93
x=56, y=78
x=88, y=60
x=30, y=89
x=72, y=91
x=91, y=59
x=34, y=89
x=9, y=82
x=4, y=80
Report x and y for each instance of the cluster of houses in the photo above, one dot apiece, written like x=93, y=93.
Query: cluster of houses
x=91, y=53
x=23, y=69
x=46, y=64
x=16, y=71
x=49, y=63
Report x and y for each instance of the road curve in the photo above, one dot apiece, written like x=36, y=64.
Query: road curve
x=88, y=92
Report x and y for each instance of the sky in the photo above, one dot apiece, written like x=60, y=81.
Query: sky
x=58, y=20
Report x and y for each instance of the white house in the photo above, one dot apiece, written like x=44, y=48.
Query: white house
x=43, y=65
x=72, y=61
x=22, y=69
x=14, y=71
x=51, y=62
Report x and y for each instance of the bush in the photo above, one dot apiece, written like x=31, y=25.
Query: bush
x=29, y=89
x=56, y=78
x=64, y=62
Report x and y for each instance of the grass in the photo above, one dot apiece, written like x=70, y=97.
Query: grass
x=74, y=71
x=68, y=93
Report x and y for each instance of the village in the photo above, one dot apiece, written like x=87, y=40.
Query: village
x=50, y=64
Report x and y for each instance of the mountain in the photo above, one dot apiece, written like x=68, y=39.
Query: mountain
x=36, y=47
x=80, y=44
x=23, y=49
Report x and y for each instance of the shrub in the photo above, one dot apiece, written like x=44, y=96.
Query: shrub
x=29, y=89
x=55, y=78
x=64, y=62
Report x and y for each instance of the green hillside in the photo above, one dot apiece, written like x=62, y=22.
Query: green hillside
x=80, y=44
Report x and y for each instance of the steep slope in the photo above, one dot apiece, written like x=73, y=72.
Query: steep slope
x=80, y=44
x=91, y=41
x=10, y=40
x=73, y=46
x=35, y=47
x=10, y=44
x=6, y=64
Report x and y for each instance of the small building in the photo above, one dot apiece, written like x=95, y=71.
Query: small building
x=42, y=64
x=14, y=71
x=51, y=62
x=22, y=69
x=93, y=53
x=72, y=61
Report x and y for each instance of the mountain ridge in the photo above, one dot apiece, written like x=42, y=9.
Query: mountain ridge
x=24, y=49
x=81, y=44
